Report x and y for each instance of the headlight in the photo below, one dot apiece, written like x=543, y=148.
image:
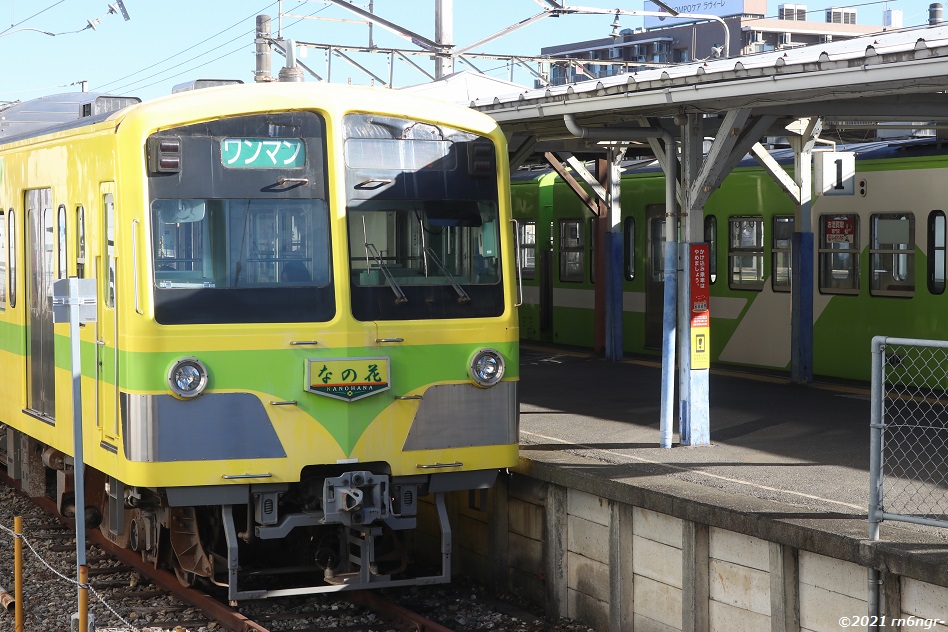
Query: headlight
x=487, y=367
x=187, y=378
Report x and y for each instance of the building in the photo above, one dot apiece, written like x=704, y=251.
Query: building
x=671, y=40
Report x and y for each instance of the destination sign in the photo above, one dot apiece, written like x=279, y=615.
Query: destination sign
x=262, y=153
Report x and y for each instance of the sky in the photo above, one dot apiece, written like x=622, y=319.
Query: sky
x=166, y=42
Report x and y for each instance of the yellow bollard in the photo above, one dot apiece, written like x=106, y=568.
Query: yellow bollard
x=18, y=572
x=83, y=598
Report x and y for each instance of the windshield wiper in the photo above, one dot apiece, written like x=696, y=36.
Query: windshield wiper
x=463, y=296
x=374, y=252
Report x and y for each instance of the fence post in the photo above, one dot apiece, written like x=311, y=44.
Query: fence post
x=875, y=436
x=18, y=572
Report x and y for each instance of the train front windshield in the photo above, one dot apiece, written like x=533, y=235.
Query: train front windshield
x=423, y=221
x=239, y=221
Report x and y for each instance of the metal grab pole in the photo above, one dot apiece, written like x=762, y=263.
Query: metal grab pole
x=18, y=572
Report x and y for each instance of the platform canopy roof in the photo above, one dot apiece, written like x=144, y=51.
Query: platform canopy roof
x=890, y=76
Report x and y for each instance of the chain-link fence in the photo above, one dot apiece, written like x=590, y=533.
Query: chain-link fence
x=908, y=464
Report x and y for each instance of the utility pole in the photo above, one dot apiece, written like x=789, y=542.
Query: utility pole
x=444, y=35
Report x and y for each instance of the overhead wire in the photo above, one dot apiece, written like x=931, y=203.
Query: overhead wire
x=24, y=20
x=178, y=72
x=183, y=51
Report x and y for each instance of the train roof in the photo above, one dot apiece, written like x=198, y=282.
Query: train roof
x=55, y=112
x=50, y=114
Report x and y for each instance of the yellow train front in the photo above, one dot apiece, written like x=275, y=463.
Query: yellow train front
x=305, y=321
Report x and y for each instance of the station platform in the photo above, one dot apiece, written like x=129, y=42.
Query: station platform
x=787, y=473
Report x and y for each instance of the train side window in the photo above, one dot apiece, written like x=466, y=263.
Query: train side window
x=571, y=250
x=528, y=249
x=80, y=242
x=746, y=253
x=781, y=253
x=839, y=254
x=892, y=254
x=3, y=261
x=628, y=233
x=11, y=236
x=936, y=252
x=61, y=245
x=109, y=209
x=711, y=237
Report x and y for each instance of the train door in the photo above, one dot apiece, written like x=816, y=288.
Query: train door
x=107, y=354
x=654, y=275
x=40, y=352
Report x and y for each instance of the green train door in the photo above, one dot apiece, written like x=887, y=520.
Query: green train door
x=654, y=275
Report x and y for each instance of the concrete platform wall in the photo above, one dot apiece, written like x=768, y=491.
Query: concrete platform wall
x=620, y=567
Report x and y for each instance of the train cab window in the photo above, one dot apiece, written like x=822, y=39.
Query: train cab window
x=937, y=242
x=11, y=240
x=528, y=249
x=781, y=253
x=711, y=237
x=571, y=250
x=423, y=220
x=3, y=262
x=628, y=235
x=746, y=253
x=80, y=242
x=61, y=242
x=892, y=254
x=839, y=254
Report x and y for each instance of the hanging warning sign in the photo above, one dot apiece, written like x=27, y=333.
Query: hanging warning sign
x=700, y=306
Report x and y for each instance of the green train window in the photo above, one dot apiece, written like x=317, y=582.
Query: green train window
x=892, y=254
x=746, y=253
x=781, y=254
x=528, y=249
x=571, y=251
x=839, y=254
x=936, y=252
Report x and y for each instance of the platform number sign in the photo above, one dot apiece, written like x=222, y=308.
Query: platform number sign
x=834, y=172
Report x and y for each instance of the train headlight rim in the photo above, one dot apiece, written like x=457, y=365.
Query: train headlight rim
x=487, y=367
x=187, y=378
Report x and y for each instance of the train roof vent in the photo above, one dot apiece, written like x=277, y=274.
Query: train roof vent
x=57, y=110
x=197, y=84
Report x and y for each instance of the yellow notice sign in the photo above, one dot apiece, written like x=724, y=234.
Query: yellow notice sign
x=347, y=379
x=700, y=347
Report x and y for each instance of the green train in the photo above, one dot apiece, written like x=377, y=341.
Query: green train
x=879, y=268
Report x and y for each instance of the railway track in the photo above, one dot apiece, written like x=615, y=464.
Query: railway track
x=129, y=594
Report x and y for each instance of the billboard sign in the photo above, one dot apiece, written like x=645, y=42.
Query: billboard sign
x=719, y=8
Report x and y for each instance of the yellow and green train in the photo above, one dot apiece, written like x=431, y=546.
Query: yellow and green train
x=305, y=320
x=879, y=259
